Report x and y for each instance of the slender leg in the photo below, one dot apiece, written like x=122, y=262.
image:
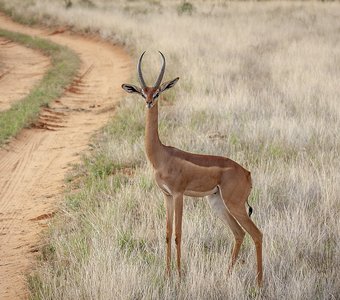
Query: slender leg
x=240, y=214
x=217, y=205
x=169, y=204
x=178, y=228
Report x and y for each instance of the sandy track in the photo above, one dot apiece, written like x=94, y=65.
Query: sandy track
x=21, y=68
x=33, y=165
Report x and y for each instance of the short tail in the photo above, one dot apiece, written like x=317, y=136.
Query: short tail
x=250, y=211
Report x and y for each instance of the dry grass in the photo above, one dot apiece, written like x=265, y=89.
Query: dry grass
x=259, y=84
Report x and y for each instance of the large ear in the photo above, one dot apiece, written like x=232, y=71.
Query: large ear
x=131, y=88
x=168, y=84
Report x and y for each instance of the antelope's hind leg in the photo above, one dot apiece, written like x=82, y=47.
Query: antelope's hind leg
x=236, y=207
x=217, y=205
x=255, y=233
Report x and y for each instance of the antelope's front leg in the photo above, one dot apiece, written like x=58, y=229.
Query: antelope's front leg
x=169, y=204
x=178, y=199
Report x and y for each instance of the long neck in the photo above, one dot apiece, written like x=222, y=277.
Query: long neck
x=153, y=145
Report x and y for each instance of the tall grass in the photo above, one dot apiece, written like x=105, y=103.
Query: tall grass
x=259, y=84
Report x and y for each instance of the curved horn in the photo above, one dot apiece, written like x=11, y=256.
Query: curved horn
x=160, y=76
x=139, y=69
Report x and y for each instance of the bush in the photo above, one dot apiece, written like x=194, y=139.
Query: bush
x=185, y=8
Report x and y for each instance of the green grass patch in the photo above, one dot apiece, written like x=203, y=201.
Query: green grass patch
x=65, y=64
x=128, y=124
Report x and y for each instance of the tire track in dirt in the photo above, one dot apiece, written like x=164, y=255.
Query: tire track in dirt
x=33, y=165
x=21, y=68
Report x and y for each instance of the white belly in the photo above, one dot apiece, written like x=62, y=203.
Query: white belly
x=201, y=194
x=168, y=191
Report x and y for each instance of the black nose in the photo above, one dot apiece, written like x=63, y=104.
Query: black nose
x=149, y=104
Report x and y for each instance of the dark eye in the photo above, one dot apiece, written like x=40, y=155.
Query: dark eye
x=156, y=95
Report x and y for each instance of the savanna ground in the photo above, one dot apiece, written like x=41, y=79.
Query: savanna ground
x=259, y=84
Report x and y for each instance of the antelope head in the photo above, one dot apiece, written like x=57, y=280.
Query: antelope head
x=150, y=94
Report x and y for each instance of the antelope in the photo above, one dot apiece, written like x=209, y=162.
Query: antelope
x=178, y=173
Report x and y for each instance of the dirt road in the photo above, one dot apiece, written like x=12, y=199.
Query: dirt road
x=33, y=165
x=21, y=68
